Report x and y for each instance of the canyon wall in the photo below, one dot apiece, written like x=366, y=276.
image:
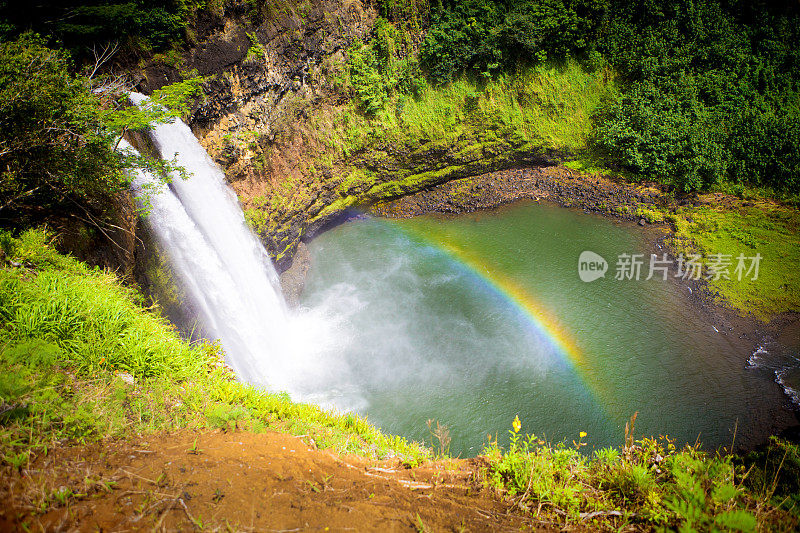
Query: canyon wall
x=274, y=108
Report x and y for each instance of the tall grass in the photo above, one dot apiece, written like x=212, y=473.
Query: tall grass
x=648, y=484
x=80, y=358
x=94, y=320
x=548, y=105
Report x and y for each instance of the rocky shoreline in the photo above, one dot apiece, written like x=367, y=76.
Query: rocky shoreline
x=588, y=192
x=594, y=193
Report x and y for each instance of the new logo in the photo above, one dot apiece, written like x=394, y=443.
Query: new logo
x=591, y=266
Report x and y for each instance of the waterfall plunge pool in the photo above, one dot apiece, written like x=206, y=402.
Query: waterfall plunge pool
x=468, y=321
x=476, y=319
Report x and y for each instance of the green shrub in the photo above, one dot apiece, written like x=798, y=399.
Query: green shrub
x=382, y=68
x=487, y=36
x=647, y=484
x=666, y=134
x=54, y=149
x=367, y=78
x=58, y=138
x=710, y=93
x=710, y=89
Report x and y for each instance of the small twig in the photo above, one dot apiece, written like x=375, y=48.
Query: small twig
x=169, y=507
x=140, y=477
x=384, y=470
x=595, y=514
x=104, y=55
x=186, y=510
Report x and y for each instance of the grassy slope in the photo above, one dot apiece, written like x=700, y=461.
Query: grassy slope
x=765, y=228
x=539, y=109
x=72, y=335
x=548, y=106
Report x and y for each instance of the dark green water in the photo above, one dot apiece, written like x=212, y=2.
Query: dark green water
x=418, y=334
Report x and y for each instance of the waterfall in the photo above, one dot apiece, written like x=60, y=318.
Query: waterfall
x=220, y=264
x=230, y=281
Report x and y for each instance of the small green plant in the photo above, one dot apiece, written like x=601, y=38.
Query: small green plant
x=18, y=460
x=649, y=479
x=420, y=525
x=606, y=455
x=194, y=450
x=651, y=215
x=225, y=416
x=441, y=433
x=62, y=495
x=256, y=51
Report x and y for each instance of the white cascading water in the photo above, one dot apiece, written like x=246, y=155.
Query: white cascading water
x=222, y=266
x=230, y=280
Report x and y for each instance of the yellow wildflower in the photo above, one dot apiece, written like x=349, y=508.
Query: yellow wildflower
x=517, y=425
x=582, y=434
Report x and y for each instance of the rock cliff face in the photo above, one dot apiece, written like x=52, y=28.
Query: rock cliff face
x=273, y=84
x=265, y=73
x=111, y=247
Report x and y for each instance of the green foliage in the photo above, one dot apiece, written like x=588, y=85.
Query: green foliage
x=78, y=25
x=382, y=68
x=166, y=103
x=54, y=149
x=486, y=36
x=704, y=494
x=58, y=138
x=774, y=473
x=548, y=106
x=669, y=137
x=646, y=484
x=543, y=473
x=765, y=149
x=256, y=50
x=409, y=14
x=651, y=215
x=367, y=77
x=67, y=334
x=93, y=322
x=711, y=93
x=711, y=89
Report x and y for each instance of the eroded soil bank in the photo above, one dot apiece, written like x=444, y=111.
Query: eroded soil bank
x=241, y=481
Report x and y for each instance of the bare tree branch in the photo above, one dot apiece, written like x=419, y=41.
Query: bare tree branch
x=101, y=57
x=18, y=197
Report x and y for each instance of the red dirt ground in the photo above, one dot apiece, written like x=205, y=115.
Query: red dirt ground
x=240, y=481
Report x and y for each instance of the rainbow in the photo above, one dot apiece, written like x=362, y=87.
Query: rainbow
x=537, y=315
